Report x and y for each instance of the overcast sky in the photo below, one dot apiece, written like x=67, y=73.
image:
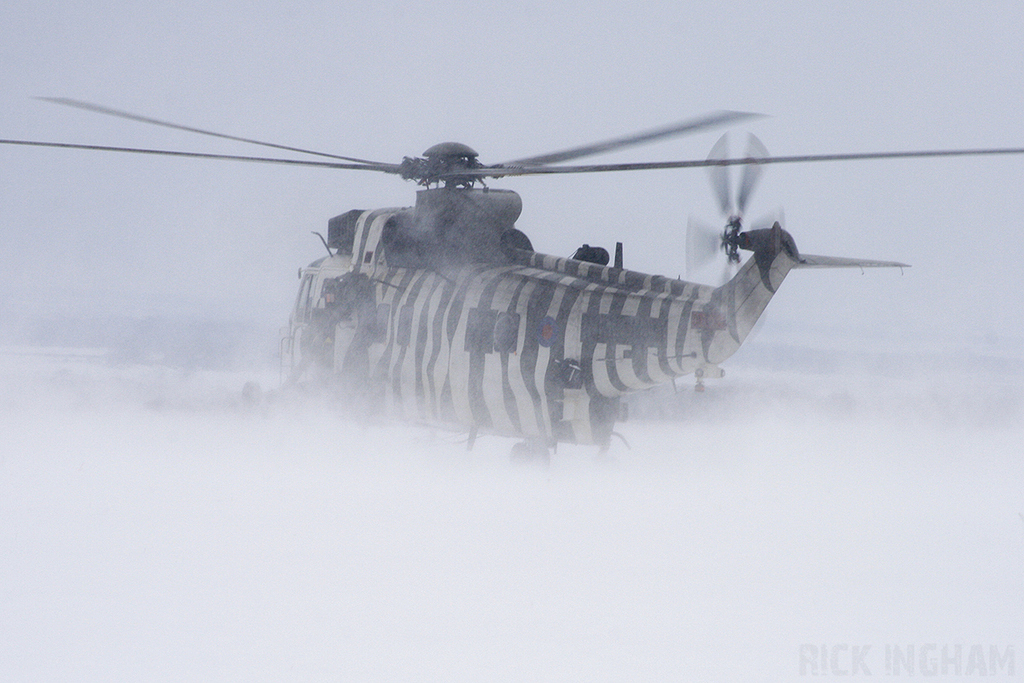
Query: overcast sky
x=88, y=233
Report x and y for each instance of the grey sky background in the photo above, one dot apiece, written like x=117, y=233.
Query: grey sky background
x=87, y=233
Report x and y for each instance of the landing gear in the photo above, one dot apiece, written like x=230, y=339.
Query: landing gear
x=531, y=452
x=707, y=371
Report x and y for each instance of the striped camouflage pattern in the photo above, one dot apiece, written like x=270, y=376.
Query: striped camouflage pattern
x=544, y=346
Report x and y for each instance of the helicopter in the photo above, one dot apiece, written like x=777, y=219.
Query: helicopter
x=443, y=313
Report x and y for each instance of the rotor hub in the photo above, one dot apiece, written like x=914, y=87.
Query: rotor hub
x=731, y=238
x=443, y=161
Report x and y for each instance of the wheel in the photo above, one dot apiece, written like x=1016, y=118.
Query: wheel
x=533, y=452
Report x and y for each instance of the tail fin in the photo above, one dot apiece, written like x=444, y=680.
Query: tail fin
x=747, y=294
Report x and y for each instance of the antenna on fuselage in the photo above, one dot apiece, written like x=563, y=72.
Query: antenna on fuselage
x=324, y=241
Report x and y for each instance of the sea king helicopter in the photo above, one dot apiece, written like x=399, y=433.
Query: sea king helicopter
x=443, y=313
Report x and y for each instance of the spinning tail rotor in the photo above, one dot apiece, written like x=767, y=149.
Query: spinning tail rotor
x=704, y=243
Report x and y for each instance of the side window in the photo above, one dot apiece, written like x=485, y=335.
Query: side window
x=490, y=331
x=506, y=332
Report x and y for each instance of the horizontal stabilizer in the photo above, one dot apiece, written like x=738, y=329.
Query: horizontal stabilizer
x=809, y=261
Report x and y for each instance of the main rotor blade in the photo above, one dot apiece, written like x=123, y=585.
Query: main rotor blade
x=383, y=168
x=717, y=118
x=100, y=109
x=500, y=171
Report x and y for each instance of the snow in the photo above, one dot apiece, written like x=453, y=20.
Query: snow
x=156, y=526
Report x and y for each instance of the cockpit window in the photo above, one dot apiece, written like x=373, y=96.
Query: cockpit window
x=302, y=302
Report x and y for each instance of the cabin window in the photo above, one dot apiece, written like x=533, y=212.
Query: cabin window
x=490, y=331
x=506, y=332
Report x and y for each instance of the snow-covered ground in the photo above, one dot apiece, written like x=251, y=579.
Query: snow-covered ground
x=856, y=516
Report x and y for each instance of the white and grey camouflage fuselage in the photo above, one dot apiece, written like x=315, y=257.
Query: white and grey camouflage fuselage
x=534, y=346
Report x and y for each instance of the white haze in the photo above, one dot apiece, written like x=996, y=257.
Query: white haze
x=156, y=526
x=854, y=480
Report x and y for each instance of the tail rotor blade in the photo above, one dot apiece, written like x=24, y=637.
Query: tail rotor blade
x=719, y=175
x=767, y=221
x=703, y=244
x=751, y=172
